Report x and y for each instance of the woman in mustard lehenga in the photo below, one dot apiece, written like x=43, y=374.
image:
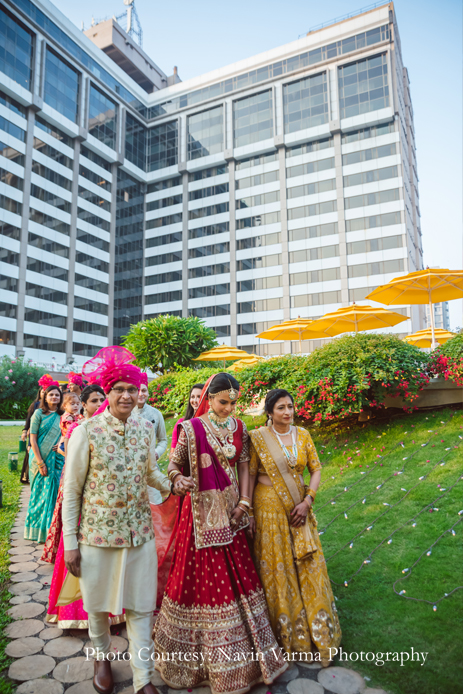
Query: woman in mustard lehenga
x=287, y=549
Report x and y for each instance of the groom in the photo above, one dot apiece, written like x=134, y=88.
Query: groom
x=110, y=460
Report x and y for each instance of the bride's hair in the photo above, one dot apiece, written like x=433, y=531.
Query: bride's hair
x=223, y=381
x=272, y=398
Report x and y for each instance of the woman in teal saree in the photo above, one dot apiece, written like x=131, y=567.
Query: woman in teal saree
x=45, y=465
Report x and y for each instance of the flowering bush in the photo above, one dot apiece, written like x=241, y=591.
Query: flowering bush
x=257, y=380
x=356, y=373
x=447, y=360
x=18, y=386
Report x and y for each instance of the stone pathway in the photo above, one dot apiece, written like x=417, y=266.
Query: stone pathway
x=49, y=660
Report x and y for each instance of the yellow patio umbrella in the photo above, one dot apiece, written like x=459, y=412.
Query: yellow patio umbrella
x=355, y=318
x=296, y=329
x=250, y=360
x=429, y=286
x=423, y=338
x=222, y=353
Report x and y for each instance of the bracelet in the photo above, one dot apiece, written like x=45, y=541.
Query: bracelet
x=172, y=474
x=172, y=489
x=311, y=493
x=243, y=508
x=251, y=513
x=244, y=502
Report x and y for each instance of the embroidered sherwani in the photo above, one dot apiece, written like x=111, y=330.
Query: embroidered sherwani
x=109, y=465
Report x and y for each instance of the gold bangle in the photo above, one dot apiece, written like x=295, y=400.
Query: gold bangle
x=243, y=509
x=312, y=494
x=244, y=502
x=173, y=474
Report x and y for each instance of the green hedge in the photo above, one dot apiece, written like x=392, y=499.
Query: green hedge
x=347, y=376
x=18, y=386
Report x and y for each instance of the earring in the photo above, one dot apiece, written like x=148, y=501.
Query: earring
x=269, y=420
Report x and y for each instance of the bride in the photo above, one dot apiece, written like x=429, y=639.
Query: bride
x=213, y=627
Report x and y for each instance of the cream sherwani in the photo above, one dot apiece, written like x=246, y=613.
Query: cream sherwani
x=108, y=467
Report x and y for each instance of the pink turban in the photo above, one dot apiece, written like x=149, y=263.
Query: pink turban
x=144, y=379
x=110, y=365
x=76, y=379
x=46, y=380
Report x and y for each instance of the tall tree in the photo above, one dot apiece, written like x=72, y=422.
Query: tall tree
x=161, y=343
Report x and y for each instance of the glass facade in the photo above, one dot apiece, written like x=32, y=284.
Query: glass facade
x=162, y=146
x=363, y=86
x=305, y=103
x=135, y=142
x=15, y=49
x=253, y=119
x=102, y=117
x=128, y=267
x=61, y=86
x=205, y=133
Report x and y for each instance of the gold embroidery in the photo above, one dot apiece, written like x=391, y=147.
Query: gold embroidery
x=205, y=460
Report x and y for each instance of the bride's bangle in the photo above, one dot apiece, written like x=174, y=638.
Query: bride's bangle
x=173, y=474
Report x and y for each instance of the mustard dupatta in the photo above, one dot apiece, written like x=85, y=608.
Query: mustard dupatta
x=290, y=490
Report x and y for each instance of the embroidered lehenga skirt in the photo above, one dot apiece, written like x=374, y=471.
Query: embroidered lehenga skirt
x=214, y=612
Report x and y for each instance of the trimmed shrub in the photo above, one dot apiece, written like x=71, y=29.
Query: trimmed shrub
x=447, y=360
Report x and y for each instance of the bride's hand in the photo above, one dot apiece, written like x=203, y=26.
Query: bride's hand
x=299, y=514
x=183, y=485
x=236, y=516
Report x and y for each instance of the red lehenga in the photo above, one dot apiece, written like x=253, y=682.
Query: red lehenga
x=213, y=627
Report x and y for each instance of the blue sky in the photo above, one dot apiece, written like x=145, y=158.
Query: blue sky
x=201, y=36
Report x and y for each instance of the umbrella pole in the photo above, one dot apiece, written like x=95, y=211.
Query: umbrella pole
x=433, y=330
x=300, y=342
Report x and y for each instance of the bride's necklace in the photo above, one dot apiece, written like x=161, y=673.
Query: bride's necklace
x=290, y=453
x=224, y=428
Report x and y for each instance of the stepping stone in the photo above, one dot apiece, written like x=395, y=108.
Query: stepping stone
x=27, y=587
x=27, y=611
x=25, y=627
x=341, y=680
x=290, y=674
x=74, y=670
x=311, y=666
x=23, y=566
x=86, y=688
x=45, y=580
x=304, y=686
x=43, y=686
x=118, y=644
x=20, y=599
x=373, y=690
x=22, y=647
x=21, y=559
x=31, y=666
x=23, y=576
x=63, y=647
x=27, y=549
x=42, y=595
x=158, y=681
x=21, y=542
x=50, y=633
x=45, y=570
x=122, y=672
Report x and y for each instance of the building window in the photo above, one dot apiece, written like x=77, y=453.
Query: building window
x=10, y=205
x=163, y=185
x=81, y=326
x=84, y=350
x=210, y=311
x=259, y=283
x=12, y=154
x=253, y=119
x=91, y=283
x=7, y=310
x=61, y=88
x=251, y=181
x=372, y=198
x=307, y=147
x=312, y=276
x=53, y=131
x=164, y=221
x=92, y=261
x=162, y=146
x=213, y=249
x=95, y=158
x=363, y=86
x=163, y=278
x=220, y=208
x=208, y=173
x=313, y=232
x=370, y=176
x=135, y=142
x=208, y=270
x=312, y=188
x=258, y=220
x=381, y=268
x=47, y=221
x=45, y=318
x=305, y=103
x=163, y=298
x=90, y=305
x=10, y=103
x=368, y=154
x=208, y=192
x=164, y=240
x=378, y=220
x=311, y=210
x=205, y=133
x=47, y=343
x=102, y=118
x=15, y=49
x=10, y=257
x=210, y=230
x=313, y=254
x=52, y=153
x=256, y=161
x=50, y=198
x=50, y=175
x=95, y=178
x=94, y=241
x=253, y=263
x=262, y=305
x=256, y=200
x=11, y=179
x=12, y=129
x=10, y=230
x=208, y=290
x=47, y=245
x=164, y=202
x=366, y=133
x=94, y=198
x=320, y=299
x=164, y=258
x=381, y=244
x=47, y=269
x=258, y=241
x=46, y=293
x=310, y=167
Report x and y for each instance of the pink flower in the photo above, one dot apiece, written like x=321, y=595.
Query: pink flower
x=10, y=371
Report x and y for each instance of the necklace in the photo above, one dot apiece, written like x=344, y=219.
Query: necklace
x=223, y=429
x=290, y=453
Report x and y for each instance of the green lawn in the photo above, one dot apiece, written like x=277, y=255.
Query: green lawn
x=9, y=437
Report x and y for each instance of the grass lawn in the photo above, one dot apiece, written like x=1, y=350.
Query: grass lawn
x=9, y=437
